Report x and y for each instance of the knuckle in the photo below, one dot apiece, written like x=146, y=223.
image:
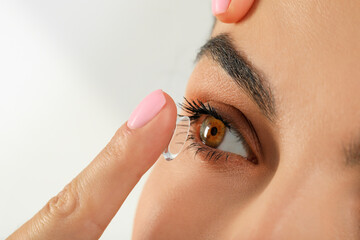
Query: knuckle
x=64, y=210
x=121, y=148
x=65, y=204
x=118, y=145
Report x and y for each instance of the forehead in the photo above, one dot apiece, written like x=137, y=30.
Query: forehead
x=309, y=54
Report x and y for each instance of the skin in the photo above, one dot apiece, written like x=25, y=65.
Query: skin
x=304, y=186
x=305, y=182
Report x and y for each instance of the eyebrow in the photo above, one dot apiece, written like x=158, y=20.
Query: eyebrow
x=352, y=153
x=222, y=51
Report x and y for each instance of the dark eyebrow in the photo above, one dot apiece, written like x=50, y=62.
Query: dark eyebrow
x=221, y=49
x=352, y=153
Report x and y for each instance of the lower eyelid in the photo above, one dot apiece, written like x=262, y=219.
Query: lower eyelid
x=212, y=154
x=206, y=152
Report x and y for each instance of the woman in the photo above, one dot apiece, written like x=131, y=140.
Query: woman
x=283, y=81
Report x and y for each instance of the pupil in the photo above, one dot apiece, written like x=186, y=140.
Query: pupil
x=213, y=131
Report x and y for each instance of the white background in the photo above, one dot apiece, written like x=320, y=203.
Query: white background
x=71, y=71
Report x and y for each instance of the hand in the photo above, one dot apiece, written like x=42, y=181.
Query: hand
x=231, y=11
x=84, y=208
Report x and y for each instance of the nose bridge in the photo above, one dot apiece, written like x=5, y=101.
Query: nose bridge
x=291, y=207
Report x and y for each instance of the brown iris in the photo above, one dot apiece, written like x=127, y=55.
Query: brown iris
x=212, y=131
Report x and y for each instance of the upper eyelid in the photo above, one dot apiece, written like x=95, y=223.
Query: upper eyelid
x=194, y=106
x=198, y=107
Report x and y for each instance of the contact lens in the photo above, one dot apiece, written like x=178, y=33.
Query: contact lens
x=178, y=139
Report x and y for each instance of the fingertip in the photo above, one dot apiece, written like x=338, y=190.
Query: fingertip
x=220, y=6
x=171, y=106
x=236, y=11
x=152, y=138
x=163, y=125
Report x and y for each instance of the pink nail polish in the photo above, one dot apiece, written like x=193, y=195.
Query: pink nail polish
x=220, y=6
x=149, y=107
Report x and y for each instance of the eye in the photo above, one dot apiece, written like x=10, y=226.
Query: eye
x=218, y=133
x=215, y=134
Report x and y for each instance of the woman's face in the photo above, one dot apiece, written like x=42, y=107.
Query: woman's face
x=287, y=79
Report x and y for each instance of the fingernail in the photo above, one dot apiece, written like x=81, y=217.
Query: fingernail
x=149, y=107
x=220, y=6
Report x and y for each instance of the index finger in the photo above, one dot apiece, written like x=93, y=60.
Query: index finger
x=88, y=203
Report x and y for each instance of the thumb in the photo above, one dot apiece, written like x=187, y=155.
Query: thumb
x=231, y=11
x=86, y=205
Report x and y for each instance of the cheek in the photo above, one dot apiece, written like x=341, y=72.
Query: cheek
x=174, y=203
x=188, y=194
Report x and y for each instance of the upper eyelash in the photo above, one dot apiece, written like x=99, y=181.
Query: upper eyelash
x=198, y=108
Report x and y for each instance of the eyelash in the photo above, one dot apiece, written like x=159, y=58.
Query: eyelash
x=196, y=109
